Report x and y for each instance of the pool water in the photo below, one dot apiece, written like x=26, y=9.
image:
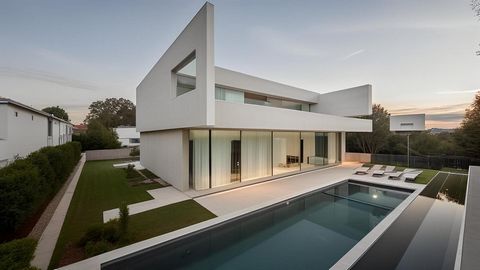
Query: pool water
x=309, y=232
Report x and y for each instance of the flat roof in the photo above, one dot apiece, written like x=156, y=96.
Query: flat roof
x=21, y=105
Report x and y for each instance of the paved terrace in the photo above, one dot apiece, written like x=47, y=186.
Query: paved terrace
x=245, y=197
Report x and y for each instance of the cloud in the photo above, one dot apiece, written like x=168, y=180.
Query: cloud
x=352, y=54
x=445, y=116
x=47, y=77
x=457, y=92
x=285, y=43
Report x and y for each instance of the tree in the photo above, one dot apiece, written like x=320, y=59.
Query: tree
x=58, y=112
x=97, y=137
x=112, y=112
x=468, y=135
x=373, y=142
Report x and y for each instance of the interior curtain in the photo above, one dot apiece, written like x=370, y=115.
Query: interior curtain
x=256, y=154
x=200, y=159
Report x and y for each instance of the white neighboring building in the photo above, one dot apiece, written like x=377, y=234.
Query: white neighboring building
x=128, y=136
x=24, y=129
x=204, y=126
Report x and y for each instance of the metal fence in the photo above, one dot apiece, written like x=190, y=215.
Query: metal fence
x=427, y=162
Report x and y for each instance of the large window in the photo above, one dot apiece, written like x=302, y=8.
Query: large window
x=222, y=157
x=185, y=75
x=225, y=157
x=226, y=94
x=286, y=152
x=256, y=154
x=199, y=159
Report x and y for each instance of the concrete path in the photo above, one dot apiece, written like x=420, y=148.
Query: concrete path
x=161, y=197
x=241, y=198
x=48, y=239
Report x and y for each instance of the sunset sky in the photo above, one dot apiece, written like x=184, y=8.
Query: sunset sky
x=418, y=55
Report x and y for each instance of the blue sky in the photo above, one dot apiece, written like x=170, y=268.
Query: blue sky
x=418, y=55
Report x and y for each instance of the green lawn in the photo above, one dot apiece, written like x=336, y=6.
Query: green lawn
x=102, y=187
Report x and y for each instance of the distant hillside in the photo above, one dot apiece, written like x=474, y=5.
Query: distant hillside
x=441, y=130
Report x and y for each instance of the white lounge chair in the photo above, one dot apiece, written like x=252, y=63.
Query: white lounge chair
x=410, y=176
x=387, y=170
x=398, y=174
x=379, y=172
x=361, y=170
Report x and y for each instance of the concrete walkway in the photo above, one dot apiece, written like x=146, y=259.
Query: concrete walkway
x=161, y=197
x=241, y=198
x=48, y=240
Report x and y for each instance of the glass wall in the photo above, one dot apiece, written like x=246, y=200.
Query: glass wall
x=226, y=94
x=256, y=154
x=226, y=157
x=199, y=159
x=286, y=152
x=223, y=157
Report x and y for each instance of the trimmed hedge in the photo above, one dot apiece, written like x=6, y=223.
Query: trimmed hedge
x=17, y=254
x=27, y=184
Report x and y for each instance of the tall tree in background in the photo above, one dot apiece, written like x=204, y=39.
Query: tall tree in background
x=476, y=9
x=112, y=112
x=373, y=142
x=57, y=111
x=468, y=135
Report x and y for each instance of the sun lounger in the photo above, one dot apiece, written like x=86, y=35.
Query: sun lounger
x=397, y=175
x=410, y=176
x=389, y=169
x=361, y=170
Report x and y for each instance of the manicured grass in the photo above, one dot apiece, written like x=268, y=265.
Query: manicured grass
x=166, y=219
x=453, y=170
x=100, y=187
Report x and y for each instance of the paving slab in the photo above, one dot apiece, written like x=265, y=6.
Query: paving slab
x=161, y=197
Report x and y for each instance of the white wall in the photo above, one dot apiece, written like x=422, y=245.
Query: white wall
x=247, y=116
x=165, y=153
x=348, y=102
x=158, y=107
x=24, y=135
x=243, y=81
x=127, y=133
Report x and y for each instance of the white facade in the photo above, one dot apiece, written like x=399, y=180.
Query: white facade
x=203, y=126
x=128, y=136
x=24, y=130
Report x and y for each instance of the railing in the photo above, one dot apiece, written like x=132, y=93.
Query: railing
x=427, y=162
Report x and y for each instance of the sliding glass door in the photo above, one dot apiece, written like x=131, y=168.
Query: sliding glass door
x=256, y=154
x=226, y=157
x=199, y=149
x=286, y=152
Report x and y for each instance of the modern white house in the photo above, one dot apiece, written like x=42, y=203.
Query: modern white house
x=24, y=129
x=203, y=126
x=128, y=136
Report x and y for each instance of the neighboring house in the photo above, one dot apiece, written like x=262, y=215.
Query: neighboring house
x=80, y=129
x=24, y=129
x=128, y=136
x=203, y=126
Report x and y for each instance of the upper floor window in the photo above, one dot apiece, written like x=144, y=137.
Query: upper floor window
x=186, y=75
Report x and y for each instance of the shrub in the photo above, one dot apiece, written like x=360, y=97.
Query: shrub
x=135, y=152
x=27, y=183
x=123, y=222
x=101, y=232
x=17, y=254
x=95, y=248
x=131, y=172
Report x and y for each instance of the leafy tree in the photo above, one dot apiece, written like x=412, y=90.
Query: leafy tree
x=57, y=111
x=468, y=135
x=112, y=112
x=97, y=137
x=373, y=142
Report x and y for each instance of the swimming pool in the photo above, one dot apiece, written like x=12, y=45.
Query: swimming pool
x=311, y=231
